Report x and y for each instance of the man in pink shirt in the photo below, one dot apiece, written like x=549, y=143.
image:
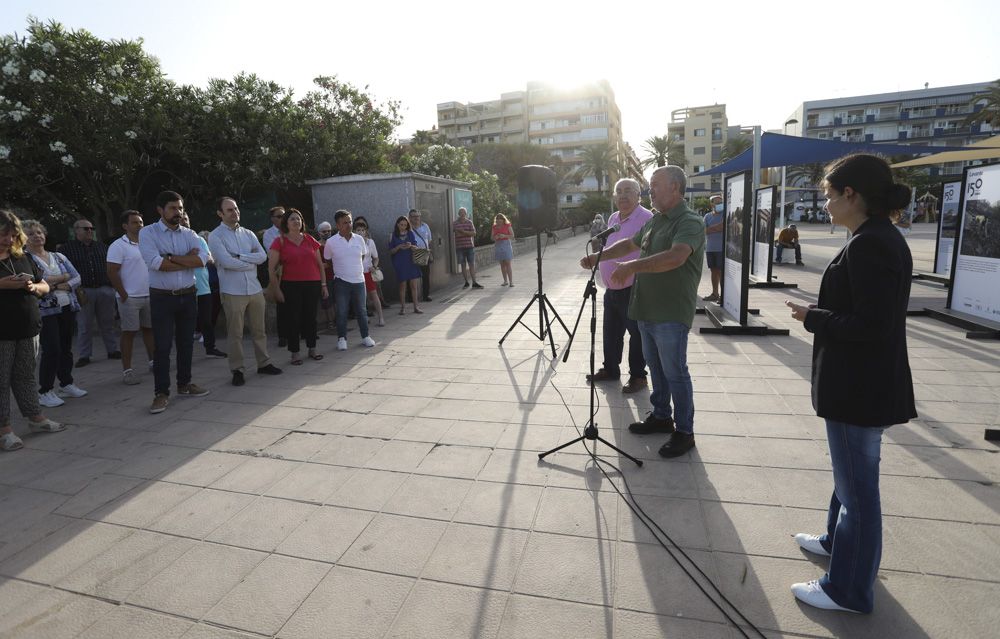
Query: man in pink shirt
x=631, y=216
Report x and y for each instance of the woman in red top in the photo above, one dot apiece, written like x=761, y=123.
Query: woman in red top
x=303, y=280
x=503, y=251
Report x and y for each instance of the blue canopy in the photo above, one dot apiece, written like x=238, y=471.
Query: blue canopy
x=786, y=150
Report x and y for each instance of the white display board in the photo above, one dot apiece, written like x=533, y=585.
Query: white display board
x=947, y=224
x=734, y=277
x=763, y=233
x=975, y=288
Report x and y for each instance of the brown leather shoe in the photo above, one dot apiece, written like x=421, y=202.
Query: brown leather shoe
x=635, y=384
x=602, y=375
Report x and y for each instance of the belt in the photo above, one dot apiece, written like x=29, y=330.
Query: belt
x=167, y=291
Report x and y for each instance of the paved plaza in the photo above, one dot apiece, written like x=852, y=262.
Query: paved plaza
x=397, y=492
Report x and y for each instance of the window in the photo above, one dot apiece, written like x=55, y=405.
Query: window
x=569, y=199
x=699, y=133
x=699, y=150
x=716, y=115
x=698, y=168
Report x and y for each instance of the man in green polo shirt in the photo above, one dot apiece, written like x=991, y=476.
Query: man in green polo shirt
x=664, y=297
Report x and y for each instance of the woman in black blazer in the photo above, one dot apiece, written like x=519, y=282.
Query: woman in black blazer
x=861, y=381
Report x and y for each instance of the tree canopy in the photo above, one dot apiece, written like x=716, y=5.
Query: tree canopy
x=90, y=127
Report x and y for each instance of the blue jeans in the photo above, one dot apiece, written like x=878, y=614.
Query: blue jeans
x=346, y=294
x=779, y=248
x=854, y=523
x=665, y=346
x=174, y=319
x=616, y=323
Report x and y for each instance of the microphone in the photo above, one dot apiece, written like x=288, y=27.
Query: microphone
x=603, y=235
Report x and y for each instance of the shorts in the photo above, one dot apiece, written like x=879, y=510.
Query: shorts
x=467, y=255
x=713, y=259
x=370, y=284
x=134, y=313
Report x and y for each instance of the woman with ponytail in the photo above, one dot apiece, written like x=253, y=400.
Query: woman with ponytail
x=861, y=381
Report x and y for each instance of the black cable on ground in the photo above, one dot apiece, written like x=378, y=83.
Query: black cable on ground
x=646, y=520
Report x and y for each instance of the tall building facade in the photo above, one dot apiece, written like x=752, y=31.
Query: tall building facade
x=703, y=131
x=564, y=121
x=925, y=117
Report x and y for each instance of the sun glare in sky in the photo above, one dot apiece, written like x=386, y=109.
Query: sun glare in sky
x=760, y=59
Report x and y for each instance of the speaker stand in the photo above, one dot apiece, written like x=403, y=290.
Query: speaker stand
x=544, y=306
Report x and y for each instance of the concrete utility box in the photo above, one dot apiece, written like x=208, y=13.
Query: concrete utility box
x=382, y=197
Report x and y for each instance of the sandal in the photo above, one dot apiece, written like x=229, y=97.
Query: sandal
x=296, y=361
x=418, y=311
x=402, y=311
x=10, y=442
x=47, y=426
x=315, y=357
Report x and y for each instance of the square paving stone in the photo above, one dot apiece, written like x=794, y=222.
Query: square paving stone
x=495, y=504
x=394, y=544
x=435, y=610
x=50, y=559
x=326, y=534
x=525, y=617
x=263, y=524
x=570, y=568
x=426, y=496
x=201, y=513
x=578, y=512
x=368, y=489
x=132, y=623
x=27, y=610
x=477, y=556
x=311, y=482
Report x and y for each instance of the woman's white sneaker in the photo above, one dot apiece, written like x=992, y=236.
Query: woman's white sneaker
x=810, y=543
x=50, y=399
x=71, y=390
x=811, y=593
x=368, y=341
x=342, y=344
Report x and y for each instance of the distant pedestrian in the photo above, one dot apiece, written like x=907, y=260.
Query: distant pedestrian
x=371, y=266
x=503, y=250
x=714, y=225
x=401, y=244
x=268, y=235
x=424, y=240
x=325, y=231
x=465, y=246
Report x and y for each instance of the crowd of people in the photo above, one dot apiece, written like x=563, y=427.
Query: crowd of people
x=169, y=285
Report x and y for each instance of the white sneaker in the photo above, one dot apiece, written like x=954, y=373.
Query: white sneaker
x=342, y=344
x=811, y=593
x=130, y=378
x=810, y=543
x=50, y=399
x=368, y=341
x=70, y=390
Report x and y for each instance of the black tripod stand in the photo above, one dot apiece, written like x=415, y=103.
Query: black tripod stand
x=544, y=305
x=590, y=430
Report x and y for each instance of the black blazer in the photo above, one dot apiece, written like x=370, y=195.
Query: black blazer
x=860, y=369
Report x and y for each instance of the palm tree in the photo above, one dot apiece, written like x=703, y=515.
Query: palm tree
x=734, y=146
x=675, y=154
x=599, y=160
x=657, y=148
x=810, y=175
x=990, y=113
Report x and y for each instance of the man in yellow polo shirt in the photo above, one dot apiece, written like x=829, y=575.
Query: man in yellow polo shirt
x=671, y=249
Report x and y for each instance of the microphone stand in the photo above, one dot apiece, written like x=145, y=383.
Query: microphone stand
x=590, y=430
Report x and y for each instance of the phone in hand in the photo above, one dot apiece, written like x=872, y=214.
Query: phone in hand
x=25, y=277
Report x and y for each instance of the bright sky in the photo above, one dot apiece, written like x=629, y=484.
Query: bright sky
x=760, y=59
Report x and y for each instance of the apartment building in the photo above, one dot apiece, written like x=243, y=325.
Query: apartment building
x=703, y=131
x=926, y=117
x=564, y=121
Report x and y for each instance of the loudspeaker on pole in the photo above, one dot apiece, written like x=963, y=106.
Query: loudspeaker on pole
x=536, y=197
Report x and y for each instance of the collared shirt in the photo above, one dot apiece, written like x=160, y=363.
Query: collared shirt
x=156, y=241
x=629, y=227
x=237, y=254
x=669, y=296
x=270, y=235
x=423, y=233
x=90, y=260
x=348, y=257
x=133, y=273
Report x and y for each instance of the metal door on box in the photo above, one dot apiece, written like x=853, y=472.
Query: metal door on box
x=433, y=207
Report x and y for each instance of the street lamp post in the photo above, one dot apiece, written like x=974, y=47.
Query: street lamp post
x=784, y=129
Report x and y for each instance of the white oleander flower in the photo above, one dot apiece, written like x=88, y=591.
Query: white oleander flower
x=258, y=109
x=118, y=100
x=49, y=48
x=37, y=75
x=67, y=159
x=131, y=135
x=116, y=71
x=4, y=152
x=16, y=116
x=11, y=68
x=98, y=89
x=46, y=120
x=207, y=108
x=265, y=150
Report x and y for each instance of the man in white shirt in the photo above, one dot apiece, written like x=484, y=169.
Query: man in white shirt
x=130, y=279
x=237, y=254
x=424, y=240
x=269, y=235
x=347, y=251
